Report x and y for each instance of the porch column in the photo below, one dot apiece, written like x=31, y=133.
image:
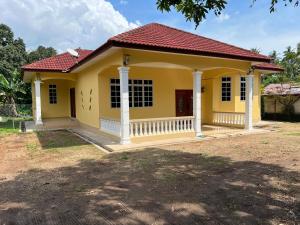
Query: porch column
x=38, y=106
x=249, y=103
x=125, y=135
x=197, y=102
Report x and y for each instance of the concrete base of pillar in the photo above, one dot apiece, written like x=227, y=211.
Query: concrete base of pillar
x=125, y=142
x=38, y=122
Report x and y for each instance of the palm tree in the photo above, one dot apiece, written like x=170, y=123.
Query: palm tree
x=9, y=90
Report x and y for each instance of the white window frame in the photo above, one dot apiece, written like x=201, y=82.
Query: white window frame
x=131, y=87
x=228, y=80
x=52, y=90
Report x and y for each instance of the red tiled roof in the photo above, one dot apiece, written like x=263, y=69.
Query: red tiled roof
x=154, y=37
x=281, y=89
x=61, y=62
x=161, y=37
x=269, y=66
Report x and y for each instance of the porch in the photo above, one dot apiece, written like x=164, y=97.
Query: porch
x=182, y=101
x=111, y=143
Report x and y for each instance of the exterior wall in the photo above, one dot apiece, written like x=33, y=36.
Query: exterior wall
x=235, y=105
x=240, y=105
x=88, y=92
x=271, y=105
x=166, y=81
x=62, y=108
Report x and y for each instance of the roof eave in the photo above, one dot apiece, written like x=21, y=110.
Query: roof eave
x=185, y=51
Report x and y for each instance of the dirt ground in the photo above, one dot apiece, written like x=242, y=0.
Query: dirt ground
x=56, y=178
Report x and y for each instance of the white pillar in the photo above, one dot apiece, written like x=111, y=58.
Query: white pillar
x=249, y=103
x=197, y=102
x=125, y=134
x=38, y=106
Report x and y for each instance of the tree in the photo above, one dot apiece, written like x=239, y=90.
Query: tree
x=40, y=53
x=255, y=50
x=291, y=64
x=12, y=52
x=196, y=10
x=10, y=88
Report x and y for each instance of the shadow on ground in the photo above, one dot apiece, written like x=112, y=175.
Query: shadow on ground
x=153, y=186
x=58, y=139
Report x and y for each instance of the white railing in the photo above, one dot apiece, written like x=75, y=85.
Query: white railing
x=110, y=126
x=229, y=118
x=160, y=126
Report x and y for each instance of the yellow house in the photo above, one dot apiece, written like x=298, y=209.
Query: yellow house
x=150, y=81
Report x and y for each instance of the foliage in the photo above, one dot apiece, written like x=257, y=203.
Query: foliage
x=196, y=10
x=193, y=10
x=11, y=126
x=255, y=50
x=12, y=56
x=40, y=53
x=12, y=52
x=290, y=61
x=9, y=92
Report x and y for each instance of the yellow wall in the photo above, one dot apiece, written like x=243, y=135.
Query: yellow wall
x=62, y=108
x=88, y=91
x=166, y=81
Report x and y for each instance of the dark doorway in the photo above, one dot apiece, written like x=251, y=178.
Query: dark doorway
x=184, y=102
x=72, y=102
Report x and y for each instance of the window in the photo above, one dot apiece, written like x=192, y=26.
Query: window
x=115, y=93
x=226, y=89
x=137, y=93
x=243, y=89
x=140, y=93
x=148, y=93
x=52, y=94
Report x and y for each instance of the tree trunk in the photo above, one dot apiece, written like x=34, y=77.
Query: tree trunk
x=11, y=108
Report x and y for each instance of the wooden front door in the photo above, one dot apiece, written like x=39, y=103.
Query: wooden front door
x=184, y=103
x=72, y=102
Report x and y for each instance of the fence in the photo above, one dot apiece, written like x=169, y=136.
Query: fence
x=12, y=116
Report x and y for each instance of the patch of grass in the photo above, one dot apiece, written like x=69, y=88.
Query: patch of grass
x=11, y=126
x=7, y=131
x=59, y=140
x=167, y=176
x=265, y=142
x=144, y=164
x=80, y=189
x=31, y=147
x=124, y=157
x=205, y=160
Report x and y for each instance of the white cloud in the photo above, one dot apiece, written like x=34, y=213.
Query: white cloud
x=64, y=24
x=222, y=17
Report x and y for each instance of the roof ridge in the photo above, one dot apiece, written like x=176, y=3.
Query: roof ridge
x=197, y=35
x=128, y=31
x=55, y=57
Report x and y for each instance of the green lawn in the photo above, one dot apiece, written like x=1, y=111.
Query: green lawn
x=11, y=126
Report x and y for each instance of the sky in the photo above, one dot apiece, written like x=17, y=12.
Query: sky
x=64, y=24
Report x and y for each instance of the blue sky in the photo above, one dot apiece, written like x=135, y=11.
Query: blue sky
x=88, y=23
